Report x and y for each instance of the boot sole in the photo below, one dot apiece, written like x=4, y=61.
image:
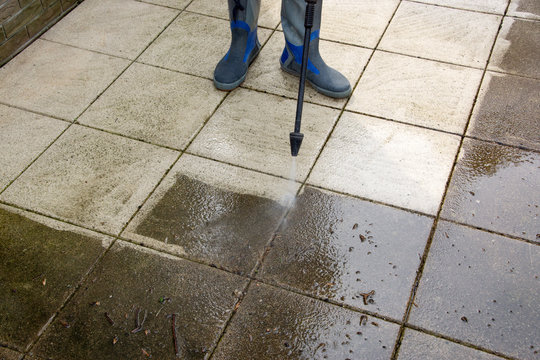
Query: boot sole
x=332, y=94
x=237, y=83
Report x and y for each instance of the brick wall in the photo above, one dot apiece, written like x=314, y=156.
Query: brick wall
x=22, y=21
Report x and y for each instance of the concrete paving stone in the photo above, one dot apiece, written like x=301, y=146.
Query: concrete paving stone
x=356, y=22
x=23, y=136
x=265, y=73
x=193, y=44
x=42, y=261
x=251, y=129
x=101, y=26
x=490, y=6
x=496, y=188
x=524, y=8
x=419, y=346
x=56, y=79
x=517, y=50
x=482, y=289
x=337, y=247
x=176, y=4
x=100, y=322
x=507, y=111
x=417, y=91
x=7, y=354
x=91, y=178
x=275, y=324
x=269, y=15
x=169, y=112
x=439, y=33
x=214, y=213
x=385, y=161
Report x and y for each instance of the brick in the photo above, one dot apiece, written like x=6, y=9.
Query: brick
x=67, y=4
x=44, y=19
x=23, y=17
x=7, y=9
x=13, y=44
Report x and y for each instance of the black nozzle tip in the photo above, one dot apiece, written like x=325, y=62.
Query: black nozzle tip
x=296, y=142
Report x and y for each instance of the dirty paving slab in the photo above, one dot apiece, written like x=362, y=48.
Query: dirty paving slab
x=82, y=178
x=350, y=251
x=42, y=261
x=482, y=289
x=275, y=324
x=8, y=354
x=213, y=213
x=507, y=111
x=123, y=312
x=496, y=187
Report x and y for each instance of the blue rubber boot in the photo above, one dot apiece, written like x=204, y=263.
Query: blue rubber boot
x=320, y=76
x=231, y=71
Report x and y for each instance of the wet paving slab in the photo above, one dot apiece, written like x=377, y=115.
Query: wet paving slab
x=123, y=312
x=349, y=251
x=91, y=178
x=214, y=213
x=274, y=324
x=496, y=187
x=517, y=50
x=482, y=289
x=420, y=346
x=41, y=263
x=7, y=354
x=507, y=111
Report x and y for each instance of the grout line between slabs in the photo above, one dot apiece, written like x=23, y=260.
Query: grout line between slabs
x=427, y=249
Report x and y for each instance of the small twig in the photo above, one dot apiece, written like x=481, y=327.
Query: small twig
x=175, y=339
x=109, y=319
x=367, y=297
x=139, y=323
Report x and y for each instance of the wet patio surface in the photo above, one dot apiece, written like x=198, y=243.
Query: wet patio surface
x=145, y=214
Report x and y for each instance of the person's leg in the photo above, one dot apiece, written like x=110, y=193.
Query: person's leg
x=232, y=69
x=323, y=78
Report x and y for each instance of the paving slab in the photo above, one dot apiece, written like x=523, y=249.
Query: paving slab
x=336, y=247
x=524, y=8
x=417, y=91
x=490, y=6
x=269, y=15
x=23, y=136
x=482, y=289
x=193, y=44
x=517, y=50
x=265, y=73
x=101, y=26
x=444, y=34
x=82, y=177
x=356, y=22
x=56, y=79
x=507, y=111
x=420, y=346
x=175, y=4
x=7, y=354
x=42, y=261
x=251, y=129
x=213, y=213
x=385, y=161
x=274, y=324
x=100, y=322
x=496, y=188
x=168, y=113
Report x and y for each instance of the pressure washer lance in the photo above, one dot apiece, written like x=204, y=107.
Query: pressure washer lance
x=296, y=136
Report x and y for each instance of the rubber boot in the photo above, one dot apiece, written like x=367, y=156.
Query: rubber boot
x=323, y=78
x=231, y=71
